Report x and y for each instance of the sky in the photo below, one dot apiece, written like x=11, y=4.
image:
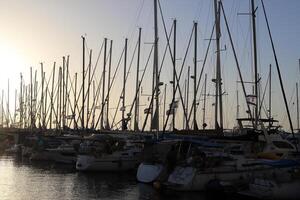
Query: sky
x=34, y=31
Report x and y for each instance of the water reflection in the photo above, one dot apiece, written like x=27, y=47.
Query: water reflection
x=21, y=179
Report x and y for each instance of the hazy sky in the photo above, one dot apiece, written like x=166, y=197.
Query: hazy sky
x=34, y=31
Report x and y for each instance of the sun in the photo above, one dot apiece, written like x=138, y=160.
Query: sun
x=12, y=63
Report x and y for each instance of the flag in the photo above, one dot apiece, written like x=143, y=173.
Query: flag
x=251, y=99
x=147, y=111
x=172, y=109
x=154, y=124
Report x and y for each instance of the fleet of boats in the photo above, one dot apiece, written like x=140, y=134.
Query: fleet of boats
x=256, y=158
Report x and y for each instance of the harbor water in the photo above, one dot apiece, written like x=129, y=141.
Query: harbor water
x=24, y=180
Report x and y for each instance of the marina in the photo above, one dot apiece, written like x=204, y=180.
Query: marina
x=187, y=118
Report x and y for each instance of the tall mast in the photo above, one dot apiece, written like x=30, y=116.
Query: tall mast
x=2, y=108
x=108, y=86
x=188, y=93
x=255, y=60
x=42, y=97
x=124, y=125
x=195, y=75
x=31, y=90
x=156, y=75
x=94, y=110
x=270, y=96
x=174, y=72
x=8, y=114
x=83, y=77
x=51, y=98
x=204, y=103
x=60, y=95
x=218, y=97
x=75, y=104
x=66, y=87
x=45, y=104
x=298, y=101
x=137, y=102
x=103, y=82
x=184, y=103
x=63, y=92
x=164, y=108
x=15, y=113
x=21, y=102
x=88, y=92
x=297, y=106
x=35, y=97
x=237, y=104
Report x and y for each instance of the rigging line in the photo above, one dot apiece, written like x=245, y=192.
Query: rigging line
x=263, y=97
x=184, y=59
x=81, y=88
x=202, y=69
x=113, y=81
x=127, y=74
x=152, y=96
x=237, y=63
x=290, y=102
x=80, y=111
x=47, y=88
x=172, y=58
x=136, y=20
x=47, y=84
x=140, y=81
x=278, y=70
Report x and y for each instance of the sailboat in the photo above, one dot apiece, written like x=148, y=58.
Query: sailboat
x=189, y=176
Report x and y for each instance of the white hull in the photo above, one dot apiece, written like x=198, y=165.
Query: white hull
x=117, y=161
x=148, y=173
x=190, y=179
x=273, y=190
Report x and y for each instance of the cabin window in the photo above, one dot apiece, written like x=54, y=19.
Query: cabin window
x=281, y=144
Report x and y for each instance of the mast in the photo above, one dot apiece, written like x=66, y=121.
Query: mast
x=204, y=103
x=60, y=95
x=187, y=93
x=137, y=102
x=108, y=86
x=63, y=92
x=297, y=94
x=88, y=92
x=66, y=88
x=45, y=105
x=31, y=90
x=124, y=125
x=164, y=109
x=51, y=98
x=83, y=77
x=42, y=96
x=2, y=108
x=298, y=102
x=21, y=102
x=75, y=100
x=184, y=103
x=255, y=61
x=270, y=96
x=195, y=75
x=103, y=82
x=15, y=113
x=8, y=114
x=156, y=75
x=174, y=72
x=237, y=104
x=218, y=95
